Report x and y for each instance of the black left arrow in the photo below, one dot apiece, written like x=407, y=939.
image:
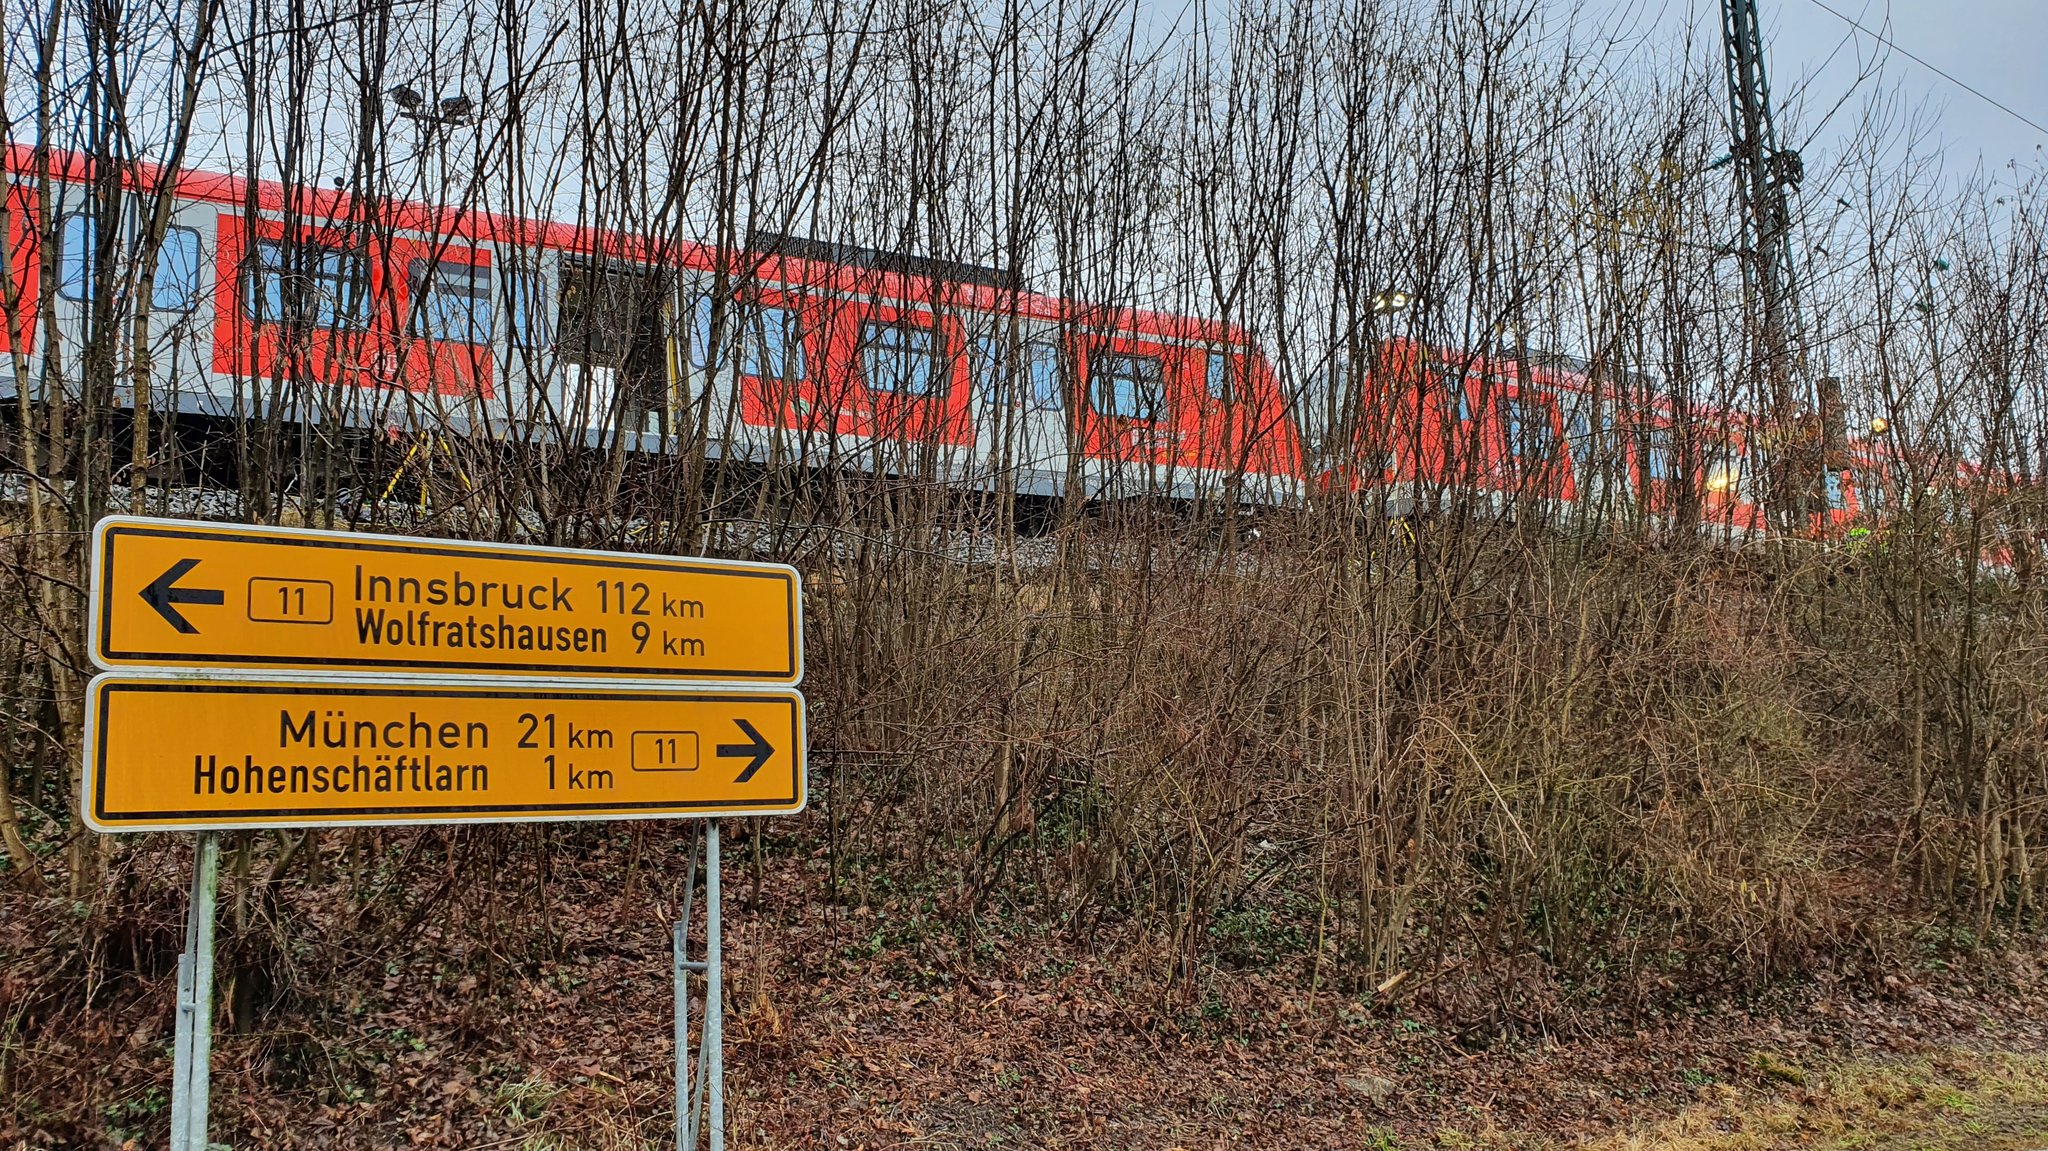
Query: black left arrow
x=760, y=750
x=161, y=595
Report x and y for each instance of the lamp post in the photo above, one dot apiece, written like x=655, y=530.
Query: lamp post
x=433, y=119
x=432, y=122
x=1360, y=445
x=1391, y=300
x=1385, y=302
x=448, y=110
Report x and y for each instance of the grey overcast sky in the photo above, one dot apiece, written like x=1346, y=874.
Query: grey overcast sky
x=1815, y=57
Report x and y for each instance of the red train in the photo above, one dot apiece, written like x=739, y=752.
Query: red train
x=384, y=314
x=1532, y=431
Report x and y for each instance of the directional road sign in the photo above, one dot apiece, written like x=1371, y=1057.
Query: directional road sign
x=198, y=596
x=194, y=754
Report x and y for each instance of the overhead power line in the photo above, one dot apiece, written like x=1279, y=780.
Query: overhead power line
x=1924, y=63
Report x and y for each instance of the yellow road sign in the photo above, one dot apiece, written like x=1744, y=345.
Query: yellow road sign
x=198, y=595
x=193, y=754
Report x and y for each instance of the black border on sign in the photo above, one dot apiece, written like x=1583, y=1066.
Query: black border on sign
x=112, y=532
x=448, y=813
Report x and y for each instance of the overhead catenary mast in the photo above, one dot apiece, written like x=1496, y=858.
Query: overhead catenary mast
x=1765, y=175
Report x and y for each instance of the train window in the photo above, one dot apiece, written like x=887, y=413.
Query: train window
x=700, y=332
x=1525, y=428
x=176, y=283
x=1514, y=424
x=1657, y=455
x=776, y=349
x=899, y=358
x=177, y=272
x=1042, y=364
x=609, y=315
x=989, y=369
x=1217, y=372
x=1538, y=439
x=451, y=301
x=77, y=239
x=526, y=313
x=1581, y=425
x=307, y=284
x=1724, y=476
x=1450, y=389
x=1611, y=440
x=1127, y=387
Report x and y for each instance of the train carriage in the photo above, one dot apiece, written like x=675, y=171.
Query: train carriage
x=1536, y=436
x=318, y=306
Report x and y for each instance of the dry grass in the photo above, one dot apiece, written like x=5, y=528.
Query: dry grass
x=1955, y=1100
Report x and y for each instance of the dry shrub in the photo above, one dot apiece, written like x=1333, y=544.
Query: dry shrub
x=1617, y=777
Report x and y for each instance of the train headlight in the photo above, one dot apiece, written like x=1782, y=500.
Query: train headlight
x=1722, y=478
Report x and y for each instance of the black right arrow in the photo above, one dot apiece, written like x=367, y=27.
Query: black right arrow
x=760, y=750
x=164, y=598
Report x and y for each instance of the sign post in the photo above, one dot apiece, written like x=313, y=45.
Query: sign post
x=691, y=1105
x=268, y=677
x=713, y=1039
x=686, y=1114
x=191, y=1069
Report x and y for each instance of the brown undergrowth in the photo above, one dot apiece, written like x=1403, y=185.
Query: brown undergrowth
x=529, y=1008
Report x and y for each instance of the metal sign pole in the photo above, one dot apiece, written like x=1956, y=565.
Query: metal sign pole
x=192, y=1059
x=686, y=1104
x=714, y=994
x=700, y=1103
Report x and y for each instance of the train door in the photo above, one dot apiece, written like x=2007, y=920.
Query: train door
x=611, y=347
x=1273, y=460
x=1467, y=445
x=1603, y=479
x=1870, y=479
x=1529, y=455
x=525, y=334
x=700, y=406
x=181, y=327
x=304, y=304
x=1218, y=453
x=775, y=353
x=1401, y=425
x=1240, y=444
x=1838, y=494
x=1728, y=486
x=1656, y=465
x=741, y=370
x=1019, y=412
